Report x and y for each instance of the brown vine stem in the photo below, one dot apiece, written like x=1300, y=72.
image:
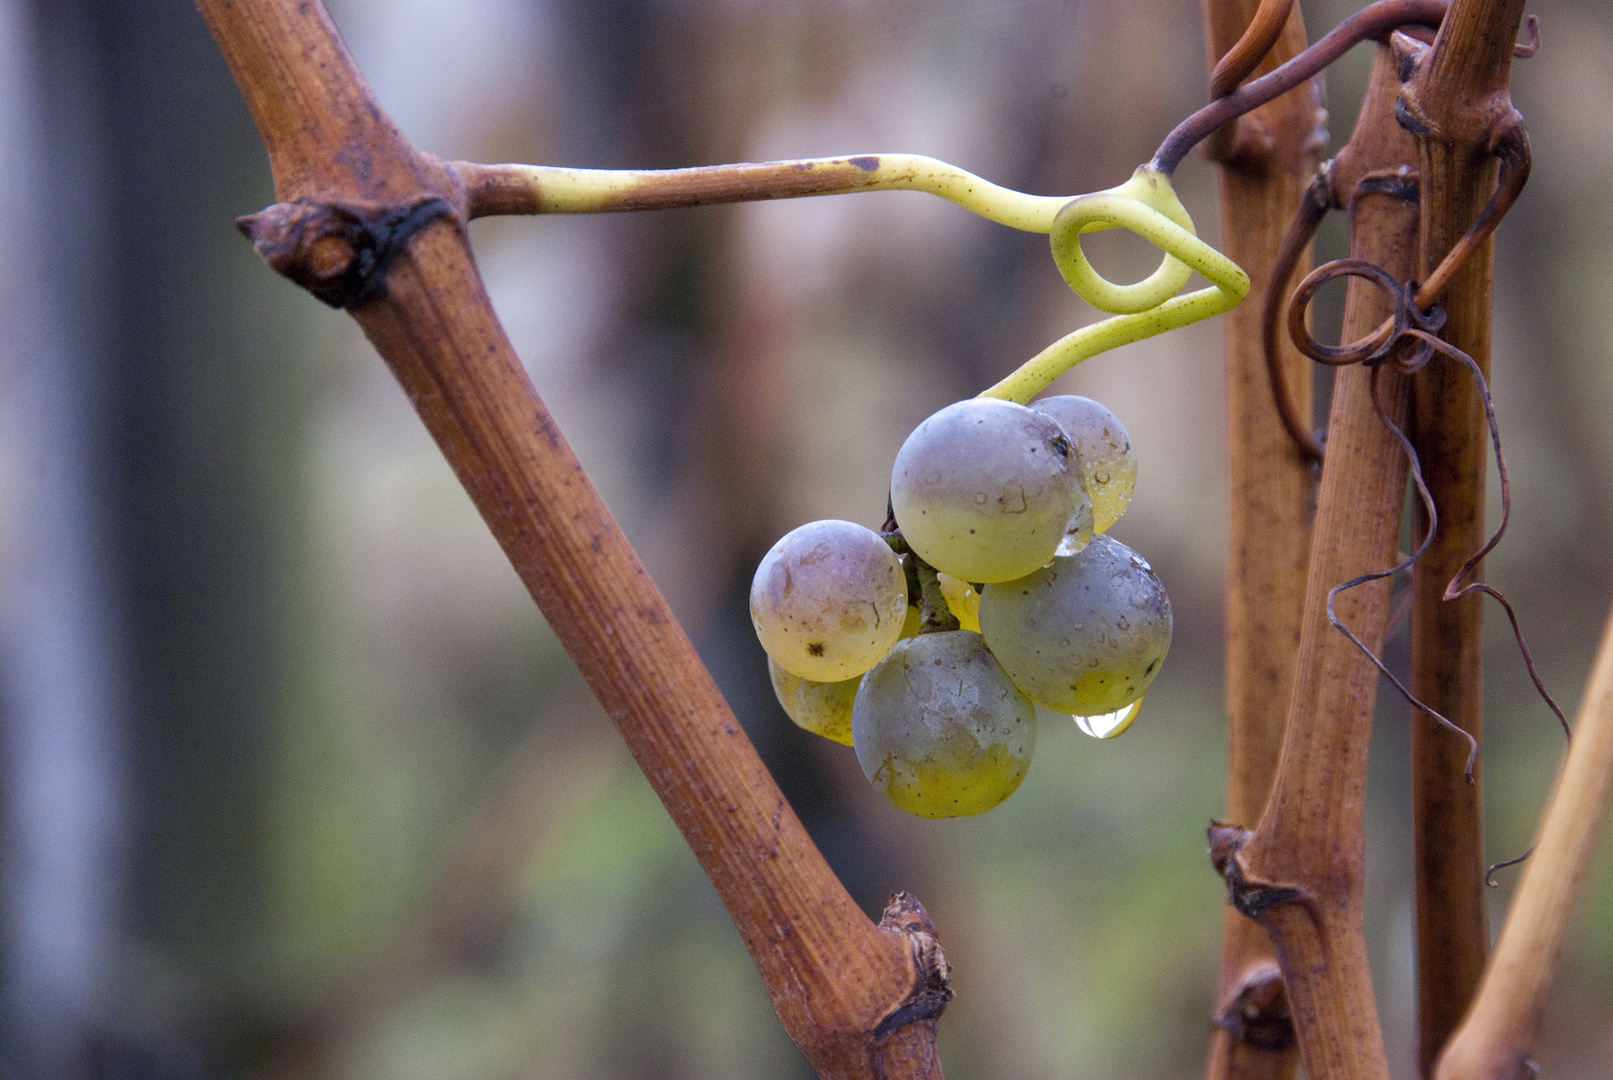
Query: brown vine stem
x=1300, y=872
x=1260, y=184
x=1267, y=23
x=1495, y=1040
x=367, y=219
x=1375, y=22
x=1457, y=103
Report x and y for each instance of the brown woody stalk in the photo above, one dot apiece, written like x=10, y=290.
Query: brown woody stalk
x=1456, y=99
x=1300, y=872
x=833, y=975
x=1496, y=1039
x=1261, y=180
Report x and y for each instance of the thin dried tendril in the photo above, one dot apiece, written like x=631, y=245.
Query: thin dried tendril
x=1403, y=564
x=1408, y=324
x=1489, y=875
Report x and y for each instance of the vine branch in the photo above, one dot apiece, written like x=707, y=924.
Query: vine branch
x=1260, y=180
x=1496, y=1038
x=342, y=172
x=1455, y=100
x=1299, y=873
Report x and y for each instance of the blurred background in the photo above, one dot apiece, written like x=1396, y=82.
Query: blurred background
x=296, y=781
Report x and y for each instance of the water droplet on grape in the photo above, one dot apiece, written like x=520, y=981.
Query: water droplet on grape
x=1072, y=544
x=1110, y=725
x=1100, y=444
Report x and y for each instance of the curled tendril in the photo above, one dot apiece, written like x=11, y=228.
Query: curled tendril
x=1383, y=345
x=1146, y=205
x=1452, y=589
x=1510, y=145
x=1409, y=344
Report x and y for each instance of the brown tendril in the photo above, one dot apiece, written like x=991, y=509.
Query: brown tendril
x=1246, y=54
x=1408, y=325
x=1320, y=195
x=1452, y=591
x=1402, y=564
x=1489, y=875
x=1511, y=146
x=1380, y=346
x=1312, y=208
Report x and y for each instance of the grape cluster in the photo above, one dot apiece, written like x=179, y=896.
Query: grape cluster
x=991, y=590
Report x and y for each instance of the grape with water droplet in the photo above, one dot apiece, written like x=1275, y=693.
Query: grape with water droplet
x=1085, y=634
x=1108, y=462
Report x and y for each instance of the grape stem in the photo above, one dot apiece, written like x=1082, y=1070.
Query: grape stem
x=1146, y=204
x=923, y=583
x=935, y=614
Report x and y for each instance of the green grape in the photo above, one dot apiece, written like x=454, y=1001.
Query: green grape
x=822, y=708
x=1108, y=462
x=1084, y=635
x=984, y=489
x=962, y=601
x=828, y=600
x=939, y=729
